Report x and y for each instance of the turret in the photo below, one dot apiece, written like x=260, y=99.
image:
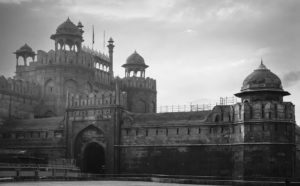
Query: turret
x=135, y=64
x=68, y=34
x=80, y=26
x=267, y=127
x=262, y=85
x=25, y=51
x=110, y=47
x=141, y=91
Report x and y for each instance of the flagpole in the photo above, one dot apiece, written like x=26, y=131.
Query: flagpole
x=104, y=41
x=93, y=41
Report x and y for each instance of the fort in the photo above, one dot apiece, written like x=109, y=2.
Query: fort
x=66, y=104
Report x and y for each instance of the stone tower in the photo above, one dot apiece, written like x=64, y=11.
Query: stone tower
x=267, y=127
x=68, y=69
x=141, y=91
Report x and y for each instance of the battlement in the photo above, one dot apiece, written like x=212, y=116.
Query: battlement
x=91, y=61
x=139, y=82
x=19, y=88
x=65, y=57
x=96, y=53
x=257, y=111
x=86, y=58
x=265, y=111
x=100, y=99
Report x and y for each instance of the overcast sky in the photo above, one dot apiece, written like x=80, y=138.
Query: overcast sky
x=197, y=50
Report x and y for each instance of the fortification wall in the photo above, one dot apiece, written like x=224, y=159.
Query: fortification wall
x=230, y=139
x=297, y=151
x=19, y=88
x=41, y=138
x=177, y=143
x=18, y=98
x=178, y=160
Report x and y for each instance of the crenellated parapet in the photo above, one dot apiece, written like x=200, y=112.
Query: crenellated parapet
x=86, y=58
x=221, y=114
x=61, y=57
x=101, y=56
x=139, y=82
x=141, y=94
x=268, y=111
x=100, y=99
x=252, y=112
x=95, y=106
x=18, y=98
x=19, y=88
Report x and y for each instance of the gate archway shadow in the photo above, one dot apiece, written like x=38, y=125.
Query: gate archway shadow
x=94, y=159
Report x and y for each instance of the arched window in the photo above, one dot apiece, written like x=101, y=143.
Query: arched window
x=262, y=111
x=110, y=99
x=139, y=107
x=87, y=88
x=102, y=98
x=275, y=110
x=217, y=118
x=49, y=87
x=70, y=86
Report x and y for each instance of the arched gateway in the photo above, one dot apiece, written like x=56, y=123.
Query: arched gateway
x=94, y=158
x=90, y=149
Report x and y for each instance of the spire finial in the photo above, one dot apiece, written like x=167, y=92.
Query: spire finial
x=262, y=66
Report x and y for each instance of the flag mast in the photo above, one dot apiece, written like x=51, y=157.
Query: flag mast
x=104, y=41
x=93, y=39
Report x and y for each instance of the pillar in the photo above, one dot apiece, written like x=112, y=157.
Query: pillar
x=56, y=45
x=25, y=60
x=110, y=47
x=17, y=60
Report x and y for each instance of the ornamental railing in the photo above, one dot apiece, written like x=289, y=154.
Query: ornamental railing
x=185, y=108
x=193, y=107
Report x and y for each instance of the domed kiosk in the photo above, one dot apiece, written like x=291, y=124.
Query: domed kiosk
x=68, y=34
x=135, y=63
x=262, y=85
x=25, y=51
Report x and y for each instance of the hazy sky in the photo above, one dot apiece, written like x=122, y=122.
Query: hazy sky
x=196, y=49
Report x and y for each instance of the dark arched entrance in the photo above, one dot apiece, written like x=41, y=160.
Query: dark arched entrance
x=94, y=159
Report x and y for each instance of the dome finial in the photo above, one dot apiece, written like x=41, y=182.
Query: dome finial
x=262, y=66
